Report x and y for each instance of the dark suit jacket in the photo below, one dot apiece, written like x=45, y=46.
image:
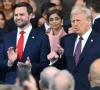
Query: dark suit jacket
x=34, y=22
x=90, y=52
x=95, y=88
x=11, y=25
x=96, y=25
x=41, y=28
x=37, y=48
x=2, y=73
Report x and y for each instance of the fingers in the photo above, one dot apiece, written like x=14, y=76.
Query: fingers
x=31, y=79
x=60, y=49
x=27, y=61
x=31, y=84
x=70, y=30
x=52, y=56
x=10, y=49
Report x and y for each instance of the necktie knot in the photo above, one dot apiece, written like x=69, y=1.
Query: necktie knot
x=81, y=38
x=22, y=32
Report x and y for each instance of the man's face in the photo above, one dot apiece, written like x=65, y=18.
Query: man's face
x=27, y=1
x=21, y=17
x=58, y=4
x=80, y=24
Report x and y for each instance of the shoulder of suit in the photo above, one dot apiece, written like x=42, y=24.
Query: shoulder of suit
x=39, y=33
x=67, y=36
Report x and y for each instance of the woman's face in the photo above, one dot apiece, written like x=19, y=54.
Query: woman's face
x=1, y=5
x=7, y=4
x=55, y=21
x=41, y=21
x=2, y=21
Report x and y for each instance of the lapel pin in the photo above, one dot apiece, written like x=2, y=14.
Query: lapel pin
x=33, y=37
x=91, y=40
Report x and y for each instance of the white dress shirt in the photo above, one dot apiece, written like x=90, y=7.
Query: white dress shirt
x=26, y=35
x=46, y=26
x=85, y=38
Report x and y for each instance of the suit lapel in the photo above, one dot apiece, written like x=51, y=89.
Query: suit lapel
x=71, y=49
x=29, y=44
x=14, y=36
x=88, y=45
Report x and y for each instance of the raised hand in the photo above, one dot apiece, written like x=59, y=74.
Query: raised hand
x=12, y=55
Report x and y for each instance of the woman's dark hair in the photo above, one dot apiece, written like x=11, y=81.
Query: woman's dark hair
x=3, y=17
x=55, y=11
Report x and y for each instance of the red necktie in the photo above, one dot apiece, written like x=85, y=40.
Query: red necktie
x=20, y=45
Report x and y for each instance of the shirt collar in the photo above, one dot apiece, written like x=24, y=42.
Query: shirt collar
x=46, y=26
x=33, y=16
x=27, y=30
x=86, y=35
x=95, y=19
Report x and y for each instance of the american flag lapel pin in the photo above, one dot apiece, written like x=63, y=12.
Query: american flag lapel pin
x=33, y=37
x=91, y=40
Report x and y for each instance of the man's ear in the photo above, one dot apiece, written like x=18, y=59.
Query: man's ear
x=89, y=77
x=40, y=85
x=91, y=9
x=30, y=16
x=44, y=16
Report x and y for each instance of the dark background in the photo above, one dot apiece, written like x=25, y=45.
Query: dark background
x=67, y=6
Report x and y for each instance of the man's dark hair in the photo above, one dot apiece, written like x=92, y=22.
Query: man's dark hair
x=96, y=5
x=24, y=4
x=88, y=3
x=46, y=6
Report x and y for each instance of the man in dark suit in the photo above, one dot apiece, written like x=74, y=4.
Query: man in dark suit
x=32, y=46
x=80, y=49
x=94, y=6
x=94, y=75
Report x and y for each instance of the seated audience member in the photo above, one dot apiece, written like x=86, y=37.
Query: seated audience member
x=8, y=12
x=44, y=11
x=1, y=5
x=55, y=19
x=63, y=80
x=58, y=3
x=8, y=8
x=94, y=75
x=34, y=19
x=41, y=21
x=3, y=21
x=45, y=77
x=95, y=9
